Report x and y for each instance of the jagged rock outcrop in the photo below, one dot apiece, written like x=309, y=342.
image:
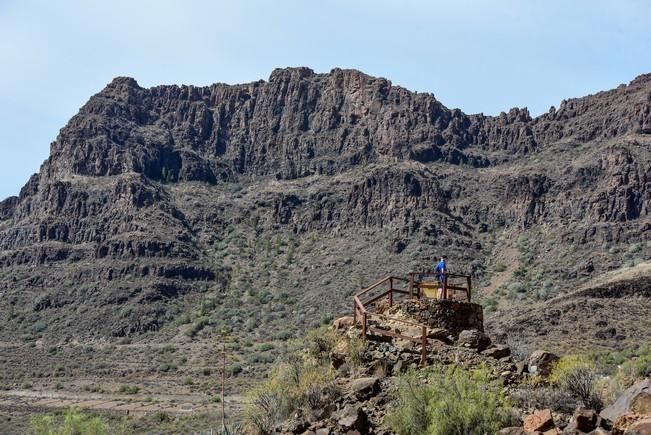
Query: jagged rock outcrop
x=144, y=188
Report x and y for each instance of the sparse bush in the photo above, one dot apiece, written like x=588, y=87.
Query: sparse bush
x=235, y=369
x=576, y=375
x=231, y=429
x=283, y=336
x=499, y=267
x=490, y=305
x=320, y=342
x=454, y=401
x=38, y=327
x=264, y=347
x=356, y=351
x=197, y=326
x=297, y=384
x=183, y=319
x=530, y=397
x=167, y=367
x=520, y=349
x=161, y=417
x=129, y=389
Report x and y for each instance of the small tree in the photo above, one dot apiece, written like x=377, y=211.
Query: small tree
x=577, y=375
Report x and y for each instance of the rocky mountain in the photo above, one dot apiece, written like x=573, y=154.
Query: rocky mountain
x=291, y=193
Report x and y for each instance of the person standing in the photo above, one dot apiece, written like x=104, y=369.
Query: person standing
x=440, y=271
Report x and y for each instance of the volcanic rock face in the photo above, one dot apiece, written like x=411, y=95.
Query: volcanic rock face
x=145, y=190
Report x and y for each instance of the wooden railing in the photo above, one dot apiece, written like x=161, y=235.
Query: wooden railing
x=416, y=284
x=362, y=315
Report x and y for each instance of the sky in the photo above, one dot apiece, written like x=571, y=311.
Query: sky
x=479, y=56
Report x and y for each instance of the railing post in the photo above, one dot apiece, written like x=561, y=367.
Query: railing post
x=354, y=312
x=390, y=292
x=423, y=343
x=411, y=284
x=469, y=287
x=364, y=325
x=445, y=286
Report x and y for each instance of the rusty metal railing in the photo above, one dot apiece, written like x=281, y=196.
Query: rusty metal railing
x=415, y=289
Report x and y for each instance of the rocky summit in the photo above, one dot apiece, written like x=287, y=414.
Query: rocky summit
x=163, y=213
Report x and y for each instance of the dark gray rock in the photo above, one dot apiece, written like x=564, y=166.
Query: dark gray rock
x=541, y=362
x=473, y=339
x=497, y=351
x=365, y=388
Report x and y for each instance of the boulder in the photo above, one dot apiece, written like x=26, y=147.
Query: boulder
x=343, y=322
x=473, y=339
x=337, y=359
x=520, y=367
x=323, y=431
x=585, y=419
x=438, y=333
x=353, y=417
x=636, y=399
x=365, y=388
x=539, y=421
x=640, y=427
x=625, y=421
x=497, y=351
x=540, y=362
x=295, y=425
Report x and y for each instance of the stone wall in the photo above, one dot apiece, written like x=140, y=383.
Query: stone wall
x=454, y=316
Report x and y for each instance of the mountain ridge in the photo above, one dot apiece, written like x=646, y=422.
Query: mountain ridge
x=143, y=187
x=480, y=128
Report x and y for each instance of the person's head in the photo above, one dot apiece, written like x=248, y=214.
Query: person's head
x=444, y=258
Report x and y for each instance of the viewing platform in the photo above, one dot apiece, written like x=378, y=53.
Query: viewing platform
x=412, y=308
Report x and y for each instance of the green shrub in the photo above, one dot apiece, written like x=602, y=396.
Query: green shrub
x=74, y=423
x=197, y=326
x=167, y=367
x=161, y=417
x=129, y=389
x=235, y=369
x=412, y=417
x=39, y=326
x=183, y=319
x=623, y=368
x=454, y=401
x=499, y=267
x=320, y=342
x=577, y=375
x=297, y=384
x=264, y=347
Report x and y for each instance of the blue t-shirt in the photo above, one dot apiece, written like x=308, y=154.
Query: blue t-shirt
x=441, y=268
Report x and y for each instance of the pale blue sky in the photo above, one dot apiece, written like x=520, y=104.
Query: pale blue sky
x=480, y=56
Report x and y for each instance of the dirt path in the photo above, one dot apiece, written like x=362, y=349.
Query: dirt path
x=135, y=405
x=510, y=258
